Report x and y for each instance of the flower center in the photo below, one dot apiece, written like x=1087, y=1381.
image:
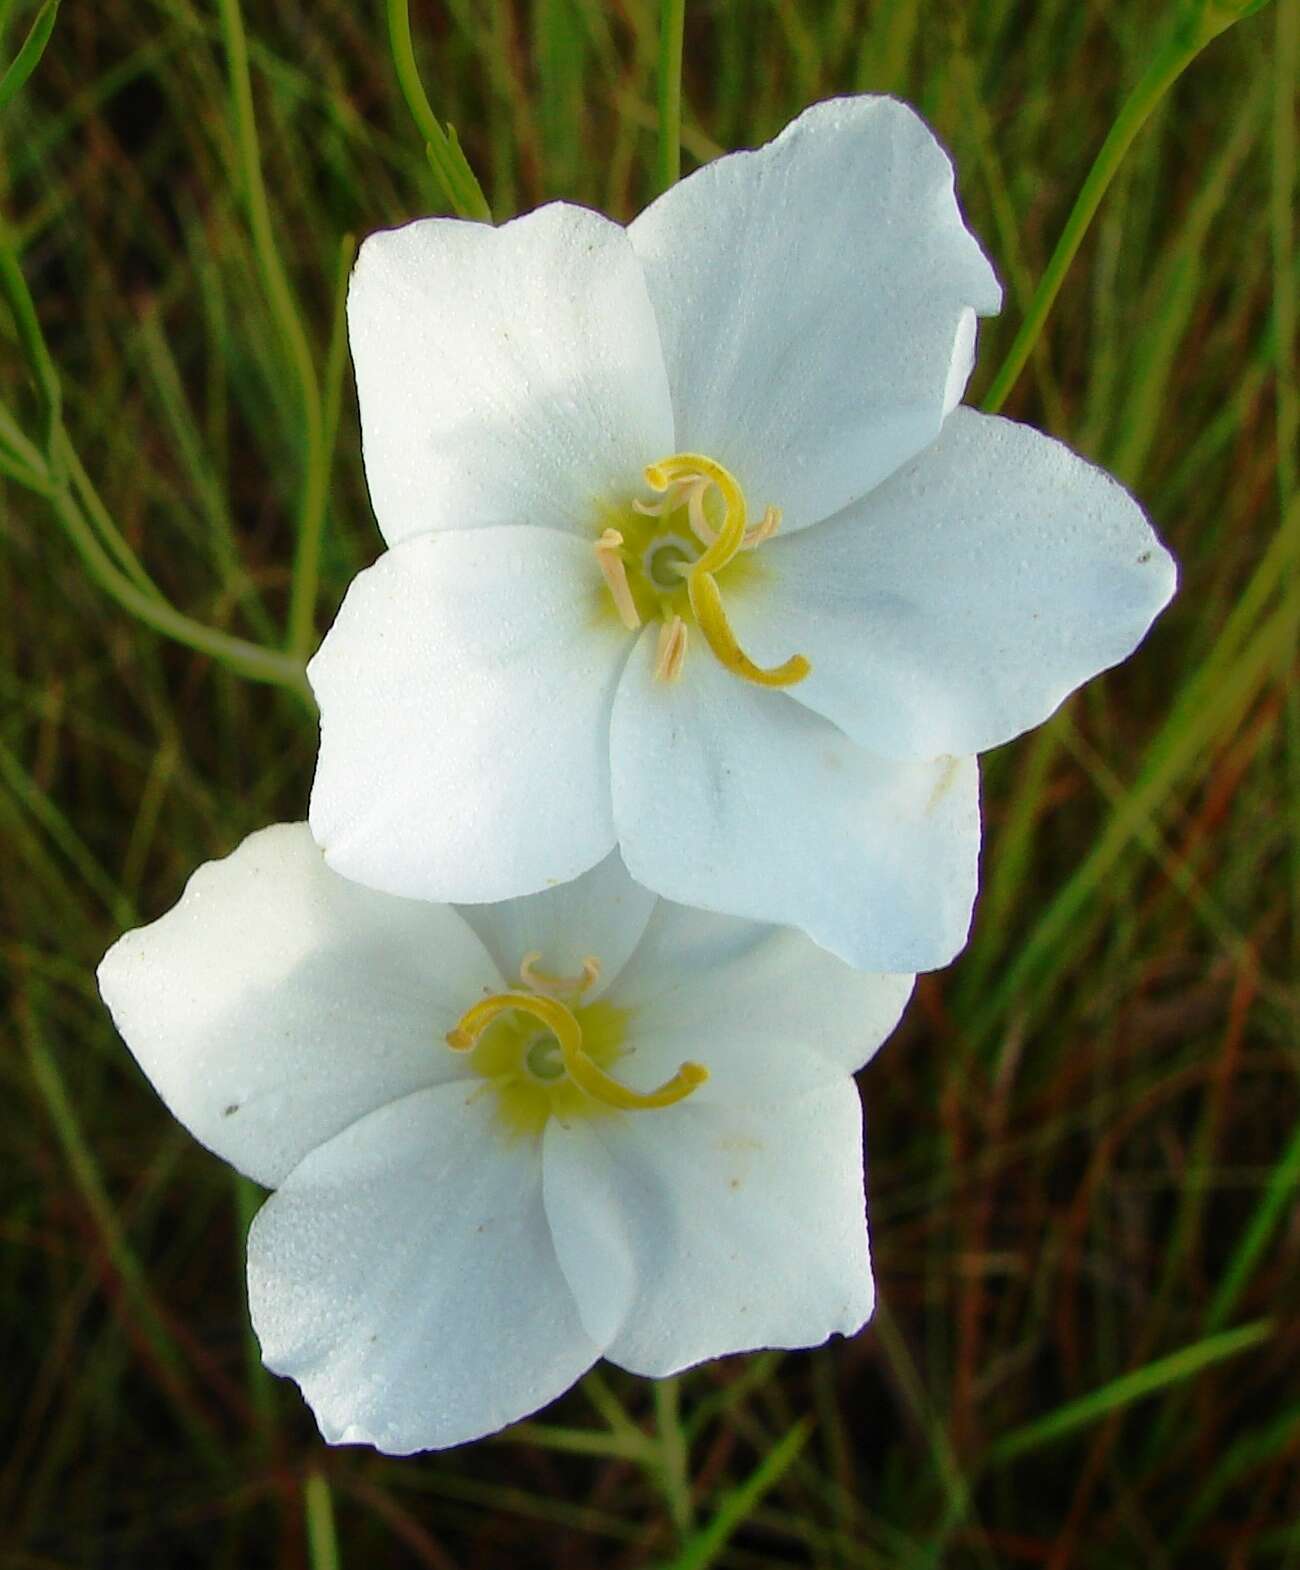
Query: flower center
x=664, y=557
x=562, y=1068
x=543, y=1059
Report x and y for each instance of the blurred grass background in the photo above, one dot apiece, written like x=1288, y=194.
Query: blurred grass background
x=1083, y=1149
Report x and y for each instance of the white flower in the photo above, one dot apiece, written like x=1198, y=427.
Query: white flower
x=606, y=616
x=459, y=1227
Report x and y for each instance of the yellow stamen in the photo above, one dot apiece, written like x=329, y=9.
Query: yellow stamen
x=584, y=1073
x=706, y=602
x=721, y=547
x=672, y=650
x=706, y=533
x=614, y=571
x=704, y=530
x=674, y=497
x=695, y=466
x=558, y=986
x=767, y=526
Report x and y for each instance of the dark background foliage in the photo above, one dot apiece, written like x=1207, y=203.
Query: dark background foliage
x=1082, y=1144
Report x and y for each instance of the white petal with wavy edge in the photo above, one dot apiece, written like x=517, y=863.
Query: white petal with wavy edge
x=404, y=1276
x=737, y=799
x=728, y=1228
x=960, y=603
x=277, y=1003
x=602, y=914
x=504, y=375
x=465, y=691
x=765, y=1010
x=814, y=300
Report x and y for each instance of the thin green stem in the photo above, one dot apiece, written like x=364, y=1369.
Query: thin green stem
x=45, y=811
x=673, y=1460
x=90, y=1184
x=306, y=561
x=322, y=1538
x=16, y=469
x=1181, y=47
x=459, y=183
x=23, y=452
x=672, y=25
x=105, y=554
x=29, y=55
x=947, y=1467
x=1274, y=1204
x=13, y=286
x=1286, y=74
x=1286, y=79
x=1173, y=1369
x=284, y=311
x=609, y=1407
x=246, y=659
x=739, y=1503
x=582, y=1441
x=101, y=520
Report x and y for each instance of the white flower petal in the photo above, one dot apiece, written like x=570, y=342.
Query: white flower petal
x=766, y=1011
x=963, y=361
x=404, y=1276
x=813, y=299
x=962, y=601
x=277, y=1002
x=465, y=692
x=505, y=375
x=740, y=1227
x=738, y=799
x=591, y=1238
x=603, y=914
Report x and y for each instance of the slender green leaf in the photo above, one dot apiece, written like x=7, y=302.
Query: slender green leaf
x=1165, y=1371
x=672, y=25
x=29, y=56
x=459, y=184
x=738, y=1504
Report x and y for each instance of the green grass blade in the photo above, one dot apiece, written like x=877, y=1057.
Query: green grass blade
x=458, y=181
x=1278, y=1196
x=13, y=286
x=1181, y=47
x=739, y=1503
x=672, y=25
x=322, y=1536
x=29, y=55
x=284, y=310
x=1175, y=1369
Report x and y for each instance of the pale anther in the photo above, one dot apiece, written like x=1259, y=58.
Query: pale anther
x=704, y=530
x=614, y=571
x=558, y=986
x=766, y=527
x=672, y=650
x=674, y=497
